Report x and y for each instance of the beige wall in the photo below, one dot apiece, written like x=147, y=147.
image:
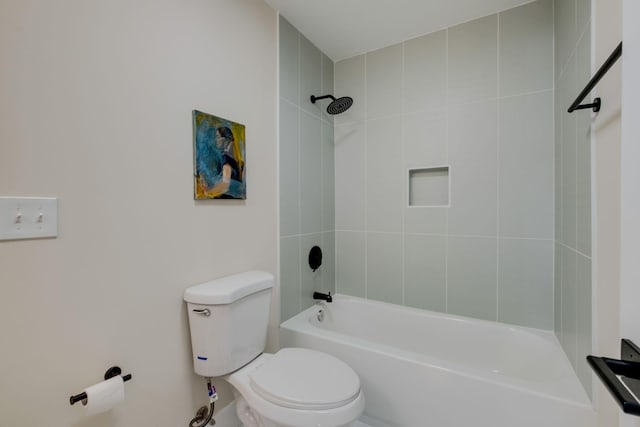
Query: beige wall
x=95, y=109
x=606, y=21
x=629, y=179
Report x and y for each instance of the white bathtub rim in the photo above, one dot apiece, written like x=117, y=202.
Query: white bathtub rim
x=300, y=323
x=544, y=334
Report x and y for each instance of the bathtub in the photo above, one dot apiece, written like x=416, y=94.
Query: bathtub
x=426, y=369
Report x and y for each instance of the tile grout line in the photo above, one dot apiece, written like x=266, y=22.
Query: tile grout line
x=498, y=139
x=575, y=154
x=336, y=123
x=556, y=286
x=560, y=238
x=278, y=191
x=322, y=172
x=447, y=142
x=405, y=200
x=366, y=159
x=299, y=186
x=434, y=110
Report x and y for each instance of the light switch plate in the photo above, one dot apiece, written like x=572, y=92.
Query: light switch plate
x=28, y=217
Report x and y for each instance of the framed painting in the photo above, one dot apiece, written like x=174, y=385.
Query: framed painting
x=218, y=158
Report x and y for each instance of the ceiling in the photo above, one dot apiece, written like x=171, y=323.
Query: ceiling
x=345, y=28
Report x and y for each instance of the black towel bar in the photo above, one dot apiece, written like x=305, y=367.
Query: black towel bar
x=621, y=377
x=615, y=55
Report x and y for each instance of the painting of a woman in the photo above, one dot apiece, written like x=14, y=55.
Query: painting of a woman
x=219, y=151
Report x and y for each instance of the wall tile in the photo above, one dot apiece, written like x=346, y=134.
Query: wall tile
x=583, y=15
x=289, y=170
x=526, y=165
x=306, y=176
x=350, y=263
x=329, y=261
x=425, y=271
x=290, y=286
x=350, y=185
x=425, y=72
x=557, y=160
x=473, y=155
x=310, y=280
x=413, y=83
x=526, y=48
x=328, y=178
x=424, y=138
x=583, y=63
x=310, y=174
x=310, y=77
x=472, y=277
x=557, y=290
x=569, y=304
x=583, y=188
x=583, y=152
x=583, y=316
x=473, y=54
x=327, y=84
x=349, y=81
x=384, y=179
x=384, y=82
x=573, y=186
x=289, y=61
x=525, y=282
x=566, y=33
x=569, y=160
x=425, y=219
x=384, y=267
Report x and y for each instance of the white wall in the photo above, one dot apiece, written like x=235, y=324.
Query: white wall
x=95, y=109
x=607, y=33
x=617, y=154
x=629, y=188
x=479, y=98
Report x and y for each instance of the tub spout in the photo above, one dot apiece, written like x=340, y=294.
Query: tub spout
x=326, y=297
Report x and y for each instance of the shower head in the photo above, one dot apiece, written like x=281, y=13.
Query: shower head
x=337, y=106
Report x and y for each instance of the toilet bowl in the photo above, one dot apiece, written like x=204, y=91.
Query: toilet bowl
x=297, y=388
x=294, y=387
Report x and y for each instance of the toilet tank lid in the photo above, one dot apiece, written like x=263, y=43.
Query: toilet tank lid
x=228, y=289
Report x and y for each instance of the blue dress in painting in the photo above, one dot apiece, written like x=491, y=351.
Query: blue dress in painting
x=218, y=173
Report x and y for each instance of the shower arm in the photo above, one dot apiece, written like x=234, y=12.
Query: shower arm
x=317, y=98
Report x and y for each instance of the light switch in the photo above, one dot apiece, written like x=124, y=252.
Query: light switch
x=28, y=217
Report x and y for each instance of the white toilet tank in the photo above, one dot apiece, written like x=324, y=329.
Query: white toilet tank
x=228, y=318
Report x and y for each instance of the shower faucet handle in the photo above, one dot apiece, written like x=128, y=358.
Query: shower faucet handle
x=203, y=311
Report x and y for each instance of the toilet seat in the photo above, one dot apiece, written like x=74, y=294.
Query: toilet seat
x=306, y=409
x=300, y=378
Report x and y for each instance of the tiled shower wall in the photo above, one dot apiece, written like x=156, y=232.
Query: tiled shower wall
x=477, y=97
x=573, y=185
x=306, y=171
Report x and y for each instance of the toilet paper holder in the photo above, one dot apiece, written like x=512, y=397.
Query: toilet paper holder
x=111, y=372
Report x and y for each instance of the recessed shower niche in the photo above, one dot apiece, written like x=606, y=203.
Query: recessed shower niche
x=429, y=186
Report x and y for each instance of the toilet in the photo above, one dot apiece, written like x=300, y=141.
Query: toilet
x=294, y=387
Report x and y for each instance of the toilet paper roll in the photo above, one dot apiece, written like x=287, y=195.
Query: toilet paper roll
x=103, y=396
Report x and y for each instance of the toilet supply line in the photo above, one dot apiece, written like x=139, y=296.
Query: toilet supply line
x=204, y=416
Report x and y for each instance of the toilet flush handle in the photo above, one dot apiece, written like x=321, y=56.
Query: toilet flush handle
x=203, y=311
